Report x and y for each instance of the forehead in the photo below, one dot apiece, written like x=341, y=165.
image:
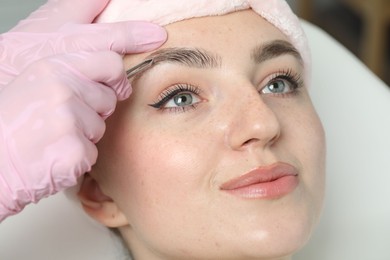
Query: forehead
x=236, y=27
x=230, y=33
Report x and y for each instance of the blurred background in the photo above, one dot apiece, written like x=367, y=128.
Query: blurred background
x=363, y=26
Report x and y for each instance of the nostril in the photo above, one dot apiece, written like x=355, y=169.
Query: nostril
x=250, y=141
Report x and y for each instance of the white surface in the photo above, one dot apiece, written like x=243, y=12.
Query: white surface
x=355, y=109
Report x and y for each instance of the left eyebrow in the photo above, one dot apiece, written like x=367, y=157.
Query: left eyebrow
x=190, y=57
x=274, y=49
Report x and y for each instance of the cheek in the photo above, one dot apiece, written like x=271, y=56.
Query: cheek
x=160, y=170
x=306, y=140
x=304, y=128
x=156, y=167
x=164, y=187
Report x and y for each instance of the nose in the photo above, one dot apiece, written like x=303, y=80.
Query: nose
x=252, y=122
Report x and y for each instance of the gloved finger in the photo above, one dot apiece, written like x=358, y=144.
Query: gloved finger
x=98, y=97
x=76, y=116
x=77, y=156
x=121, y=37
x=55, y=13
x=61, y=78
x=104, y=67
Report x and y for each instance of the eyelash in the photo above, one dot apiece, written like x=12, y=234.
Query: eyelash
x=170, y=93
x=293, y=78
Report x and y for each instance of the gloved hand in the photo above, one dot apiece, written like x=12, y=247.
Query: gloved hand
x=60, y=77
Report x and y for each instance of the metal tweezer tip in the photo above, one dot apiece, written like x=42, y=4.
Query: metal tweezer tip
x=140, y=67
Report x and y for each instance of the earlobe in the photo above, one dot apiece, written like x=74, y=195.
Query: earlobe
x=99, y=206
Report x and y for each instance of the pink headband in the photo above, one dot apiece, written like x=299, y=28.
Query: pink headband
x=163, y=12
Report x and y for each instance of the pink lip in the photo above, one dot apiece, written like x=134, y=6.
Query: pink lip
x=268, y=182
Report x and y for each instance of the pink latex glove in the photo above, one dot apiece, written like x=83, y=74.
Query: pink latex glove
x=60, y=77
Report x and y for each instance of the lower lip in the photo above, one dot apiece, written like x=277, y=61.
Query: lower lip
x=267, y=190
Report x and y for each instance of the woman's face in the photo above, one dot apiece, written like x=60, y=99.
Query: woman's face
x=173, y=153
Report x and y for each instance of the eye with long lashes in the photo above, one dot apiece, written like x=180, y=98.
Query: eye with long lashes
x=178, y=98
x=283, y=83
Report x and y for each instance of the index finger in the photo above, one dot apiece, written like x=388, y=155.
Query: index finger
x=55, y=13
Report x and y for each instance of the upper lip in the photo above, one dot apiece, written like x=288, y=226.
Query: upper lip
x=261, y=174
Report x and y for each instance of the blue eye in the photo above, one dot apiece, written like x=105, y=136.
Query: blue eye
x=283, y=83
x=182, y=99
x=280, y=86
x=178, y=98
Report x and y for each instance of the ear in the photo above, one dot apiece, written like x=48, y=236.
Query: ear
x=99, y=206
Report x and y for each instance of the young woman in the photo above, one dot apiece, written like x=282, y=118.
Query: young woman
x=218, y=153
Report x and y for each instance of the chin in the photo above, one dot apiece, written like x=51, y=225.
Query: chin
x=280, y=239
x=276, y=247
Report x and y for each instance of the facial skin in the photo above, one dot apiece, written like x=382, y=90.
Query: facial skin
x=161, y=169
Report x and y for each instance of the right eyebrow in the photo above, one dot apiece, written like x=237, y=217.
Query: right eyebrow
x=274, y=49
x=190, y=57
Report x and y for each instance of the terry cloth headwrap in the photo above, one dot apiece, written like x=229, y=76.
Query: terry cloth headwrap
x=163, y=12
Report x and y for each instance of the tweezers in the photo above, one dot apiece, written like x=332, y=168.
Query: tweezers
x=138, y=68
